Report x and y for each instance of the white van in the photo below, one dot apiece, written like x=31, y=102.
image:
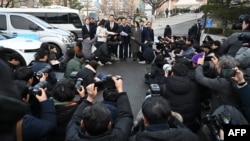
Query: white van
x=28, y=26
x=26, y=48
x=60, y=17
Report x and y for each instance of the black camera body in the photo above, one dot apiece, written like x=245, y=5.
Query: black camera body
x=78, y=84
x=154, y=89
x=215, y=123
x=35, y=90
x=47, y=69
x=107, y=82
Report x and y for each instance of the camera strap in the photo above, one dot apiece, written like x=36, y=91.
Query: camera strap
x=19, y=130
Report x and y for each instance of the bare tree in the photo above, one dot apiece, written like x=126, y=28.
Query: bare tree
x=104, y=6
x=155, y=4
x=131, y=6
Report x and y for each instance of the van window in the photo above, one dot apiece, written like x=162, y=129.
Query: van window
x=19, y=22
x=39, y=15
x=51, y=17
x=3, y=25
x=75, y=20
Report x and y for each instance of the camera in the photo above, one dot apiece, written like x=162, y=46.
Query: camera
x=154, y=89
x=78, y=84
x=215, y=123
x=72, y=77
x=106, y=81
x=227, y=73
x=47, y=69
x=35, y=90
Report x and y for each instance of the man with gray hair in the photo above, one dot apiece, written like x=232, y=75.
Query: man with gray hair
x=221, y=86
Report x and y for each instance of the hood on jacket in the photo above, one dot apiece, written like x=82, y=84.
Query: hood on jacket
x=179, y=85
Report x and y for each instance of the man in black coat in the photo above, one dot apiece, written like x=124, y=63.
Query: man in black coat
x=87, y=73
x=183, y=96
x=112, y=26
x=92, y=121
x=125, y=32
x=88, y=29
x=159, y=124
x=144, y=32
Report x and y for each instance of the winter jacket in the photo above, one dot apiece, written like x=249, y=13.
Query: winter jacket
x=148, y=51
x=87, y=48
x=162, y=132
x=74, y=64
x=243, y=93
x=184, y=99
x=156, y=74
x=243, y=56
x=64, y=112
x=232, y=44
x=223, y=92
x=102, y=53
x=34, y=128
x=119, y=132
x=87, y=74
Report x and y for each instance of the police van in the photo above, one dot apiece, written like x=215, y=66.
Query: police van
x=29, y=26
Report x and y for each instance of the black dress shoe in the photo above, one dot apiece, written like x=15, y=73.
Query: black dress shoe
x=124, y=59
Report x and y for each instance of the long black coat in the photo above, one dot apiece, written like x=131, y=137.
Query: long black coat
x=183, y=97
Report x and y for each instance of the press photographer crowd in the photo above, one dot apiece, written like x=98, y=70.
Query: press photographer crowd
x=186, y=79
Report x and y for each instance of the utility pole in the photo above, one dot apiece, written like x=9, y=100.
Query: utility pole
x=169, y=8
x=87, y=8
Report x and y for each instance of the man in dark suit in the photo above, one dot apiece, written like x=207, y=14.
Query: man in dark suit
x=150, y=31
x=144, y=32
x=87, y=29
x=112, y=26
x=125, y=32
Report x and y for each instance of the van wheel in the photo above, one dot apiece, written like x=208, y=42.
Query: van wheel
x=75, y=36
x=5, y=53
x=58, y=50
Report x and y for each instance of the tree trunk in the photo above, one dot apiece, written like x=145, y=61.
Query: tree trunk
x=1, y=3
x=153, y=10
x=8, y=3
x=65, y=3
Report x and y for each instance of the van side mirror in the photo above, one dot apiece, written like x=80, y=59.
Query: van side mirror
x=34, y=27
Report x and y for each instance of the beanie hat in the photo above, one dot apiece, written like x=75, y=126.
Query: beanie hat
x=196, y=57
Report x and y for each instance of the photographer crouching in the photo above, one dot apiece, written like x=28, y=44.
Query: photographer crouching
x=35, y=125
x=92, y=121
x=41, y=65
x=225, y=104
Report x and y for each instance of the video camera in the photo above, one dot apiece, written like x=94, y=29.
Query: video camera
x=35, y=90
x=47, y=69
x=215, y=123
x=78, y=84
